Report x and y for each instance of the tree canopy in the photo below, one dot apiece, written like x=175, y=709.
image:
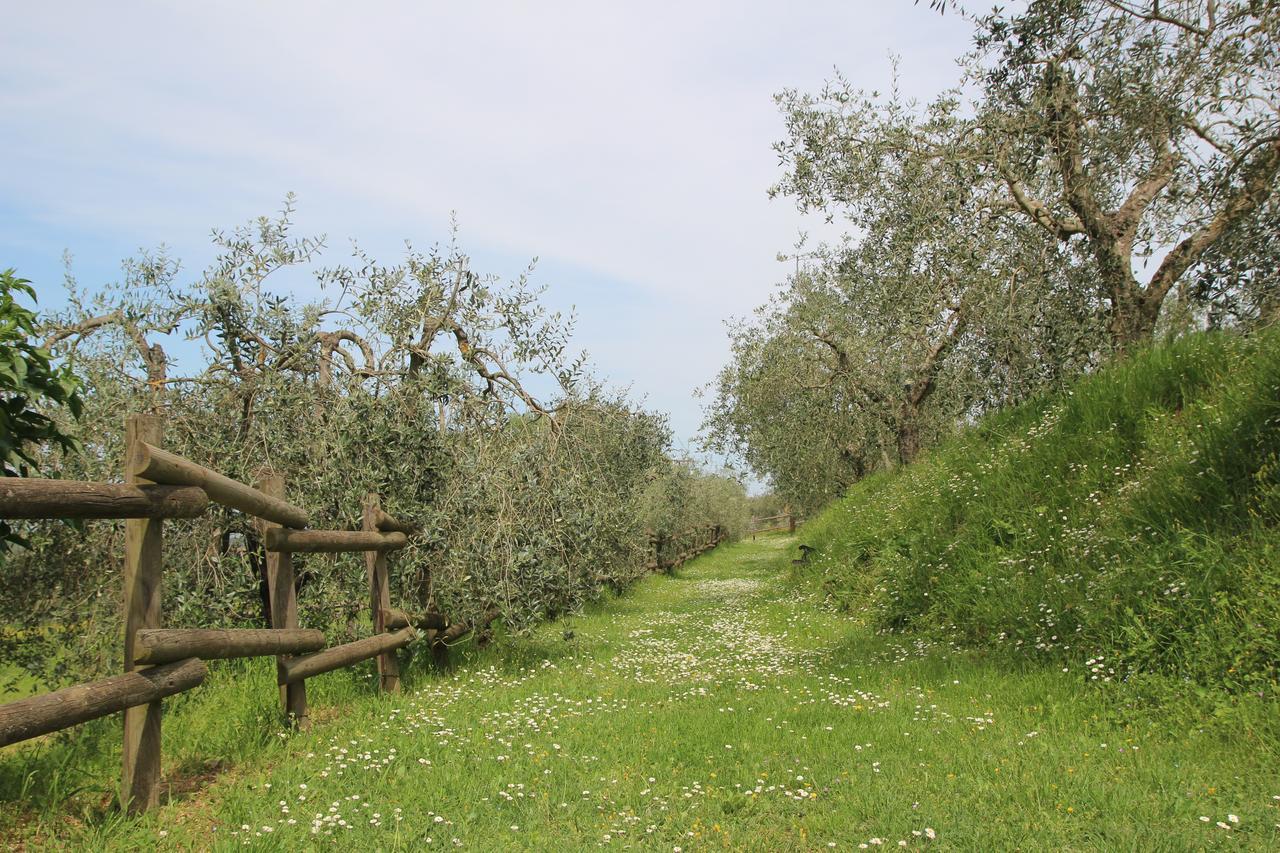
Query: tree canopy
x=1096, y=163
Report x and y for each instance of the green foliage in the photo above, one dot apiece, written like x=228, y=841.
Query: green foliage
x=1127, y=528
x=767, y=505
x=29, y=385
x=879, y=349
x=682, y=497
x=28, y=380
x=409, y=381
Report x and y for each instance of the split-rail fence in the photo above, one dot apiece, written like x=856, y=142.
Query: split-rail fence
x=774, y=523
x=160, y=661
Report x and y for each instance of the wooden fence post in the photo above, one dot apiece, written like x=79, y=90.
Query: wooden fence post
x=143, y=571
x=282, y=596
x=380, y=597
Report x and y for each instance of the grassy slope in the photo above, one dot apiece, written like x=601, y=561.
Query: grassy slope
x=1129, y=530
x=717, y=709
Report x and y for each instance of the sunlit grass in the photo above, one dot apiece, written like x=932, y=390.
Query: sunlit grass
x=1128, y=529
x=720, y=708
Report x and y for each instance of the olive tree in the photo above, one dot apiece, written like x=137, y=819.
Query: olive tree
x=1139, y=135
x=414, y=379
x=933, y=310
x=768, y=411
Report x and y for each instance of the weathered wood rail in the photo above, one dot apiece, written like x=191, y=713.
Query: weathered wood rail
x=775, y=523
x=160, y=662
x=296, y=669
x=49, y=712
x=26, y=498
x=161, y=645
x=671, y=552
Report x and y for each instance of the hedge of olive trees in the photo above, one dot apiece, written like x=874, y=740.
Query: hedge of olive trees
x=452, y=395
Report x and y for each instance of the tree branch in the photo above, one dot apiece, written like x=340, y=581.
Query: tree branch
x=1126, y=219
x=1039, y=212
x=932, y=364
x=1064, y=122
x=152, y=355
x=844, y=366
x=330, y=344
x=82, y=329
x=1155, y=15
x=1257, y=188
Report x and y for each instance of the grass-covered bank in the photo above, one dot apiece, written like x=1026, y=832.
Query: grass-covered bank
x=714, y=710
x=1126, y=531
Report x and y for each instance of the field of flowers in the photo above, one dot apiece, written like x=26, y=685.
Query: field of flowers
x=718, y=709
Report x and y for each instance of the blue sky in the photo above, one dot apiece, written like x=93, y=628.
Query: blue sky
x=628, y=147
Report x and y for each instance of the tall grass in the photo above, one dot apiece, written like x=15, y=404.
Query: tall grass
x=1125, y=529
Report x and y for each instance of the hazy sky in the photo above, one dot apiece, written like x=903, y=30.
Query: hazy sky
x=628, y=147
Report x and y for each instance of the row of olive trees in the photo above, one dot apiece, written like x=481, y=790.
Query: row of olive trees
x=685, y=497
x=1104, y=170
x=452, y=395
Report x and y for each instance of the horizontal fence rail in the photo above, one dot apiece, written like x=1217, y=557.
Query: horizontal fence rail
x=22, y=497
x=161, y=645
x=40, y=715
x=332, y=541
x=775, y=523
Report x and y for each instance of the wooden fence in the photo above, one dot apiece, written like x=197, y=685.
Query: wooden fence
x=161, y=662
x=775, y=523
x=670, y=552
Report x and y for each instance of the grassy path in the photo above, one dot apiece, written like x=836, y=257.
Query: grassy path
x=720, y=710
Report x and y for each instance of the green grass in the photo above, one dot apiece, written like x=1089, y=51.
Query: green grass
x=1129, y=529
x=723, y=708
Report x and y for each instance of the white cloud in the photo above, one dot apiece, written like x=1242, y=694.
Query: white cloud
x=629, y=143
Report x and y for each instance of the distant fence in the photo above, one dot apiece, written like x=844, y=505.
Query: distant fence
x=774, y=523
x=670, y=552
x=160, y=662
